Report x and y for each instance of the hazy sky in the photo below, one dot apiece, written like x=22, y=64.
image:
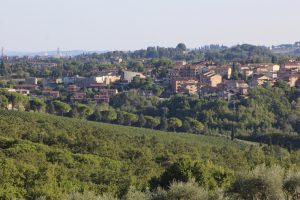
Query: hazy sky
x=38, y=25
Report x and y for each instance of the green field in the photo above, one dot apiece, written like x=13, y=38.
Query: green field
x=45, y=155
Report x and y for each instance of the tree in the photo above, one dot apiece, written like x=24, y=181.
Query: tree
x=3, y=102
x=61, y=107
x=120, y=117
x=163, y=123
x=181, y=46
x=181, y=171
x=261, y=183
x=175, y=123
x=196, y=126
x=3, y=69
x=291, y=185
x=50, y=108
x=130, y=118
x=109, y=115
x=37, y=105
x=83, y=110
x=188, y=191
x=152, y=122
x=18, y=101
x=141, y=121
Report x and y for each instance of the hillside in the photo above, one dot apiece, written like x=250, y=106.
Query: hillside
x=45, y=155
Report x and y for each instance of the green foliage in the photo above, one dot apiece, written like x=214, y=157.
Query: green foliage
x=49, y=157
x=261, y=183
x=61, y=107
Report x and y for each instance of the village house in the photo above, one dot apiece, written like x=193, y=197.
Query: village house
x=292, y=64
x=21, y=91
x=30, y=87
x=31, y=81
x=236, y=86
x=73, y=88
x=78, y=96
x=259, y=80
x=106, y=78
x=245, y=71
x=101, y=98
x=210, y=78
x=225, y=70
x=51, y=93
x=129, y=75
x=184, y=71
x=185, y=85
x=290, y=76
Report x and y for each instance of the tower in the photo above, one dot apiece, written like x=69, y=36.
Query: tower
x=2, y=53
x=58, y=53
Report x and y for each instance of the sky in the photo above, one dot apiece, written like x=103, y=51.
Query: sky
x=40, y=25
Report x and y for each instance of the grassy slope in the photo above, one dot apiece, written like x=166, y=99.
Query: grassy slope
x=105, y=157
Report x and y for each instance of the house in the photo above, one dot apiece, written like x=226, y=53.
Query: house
x=290, y=76
x=292, y=64
x=78, y=96
x=21, y=91
x=225, y=70
x=258, y=80
x=31, y=81
x=236, y=86
x=73, y=88
x=129, y=75
x=106, y=78
x=72, y=80
x=51, y=93
x=210, y=78
x=108, y=92
x=245, y=71
x=184, y=71
x=101, y=98
x=185, y=85
x=30, y=87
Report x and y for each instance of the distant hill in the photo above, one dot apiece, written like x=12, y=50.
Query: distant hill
x=287, y=49
x=51, y=53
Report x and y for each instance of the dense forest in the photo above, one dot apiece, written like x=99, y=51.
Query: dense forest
x=47, y=157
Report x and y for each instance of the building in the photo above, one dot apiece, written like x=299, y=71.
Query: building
x=211, y=79
x=291, y=64
x=78, y=96
x=73, y=88
x=129, y=75
x=106, y=79
x=21, y=91
x=30, y=87
x=31, y=81
x=185, y=85
x=184, y=71
x=236, y=87
x=51, y=93
x=225, y=70
x=258, y=80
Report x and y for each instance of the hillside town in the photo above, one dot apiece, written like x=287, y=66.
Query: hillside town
x=203, y=79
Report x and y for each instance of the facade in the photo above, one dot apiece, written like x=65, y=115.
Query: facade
x=211, y=79
x=21, y=91
x=51, y=93
x=129, y=75
x=106, y=79
x=185, y=85
x=260, y=80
